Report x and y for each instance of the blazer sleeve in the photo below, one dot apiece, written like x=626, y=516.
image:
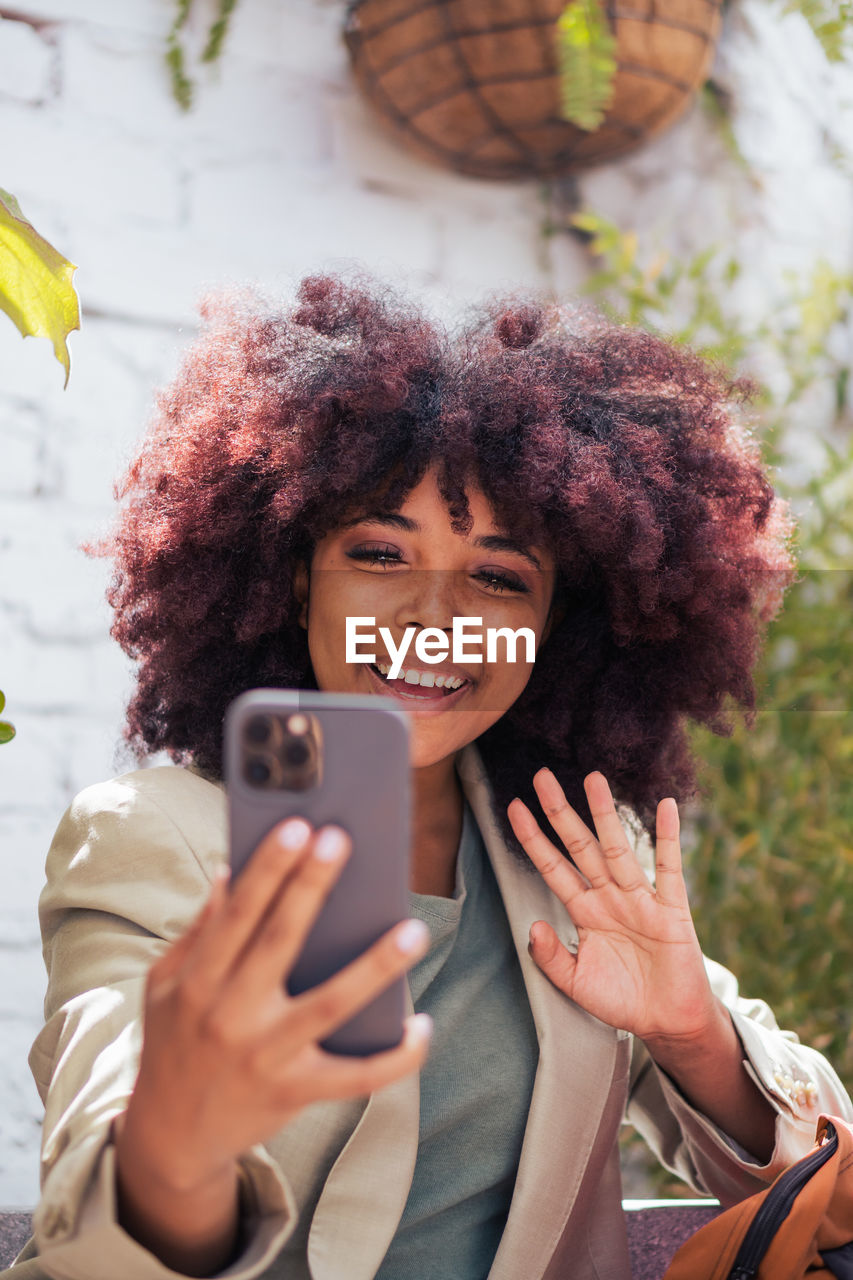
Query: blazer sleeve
x=122, y=883
x=798, y=1082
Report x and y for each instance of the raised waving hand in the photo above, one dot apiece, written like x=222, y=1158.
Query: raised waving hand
x=638, y=965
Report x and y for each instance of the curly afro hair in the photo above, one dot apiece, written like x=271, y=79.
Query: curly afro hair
x=623, y=453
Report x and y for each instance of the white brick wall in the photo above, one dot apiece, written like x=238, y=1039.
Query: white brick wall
x=279, y=170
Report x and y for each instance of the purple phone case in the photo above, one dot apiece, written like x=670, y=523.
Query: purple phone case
x=365, y=789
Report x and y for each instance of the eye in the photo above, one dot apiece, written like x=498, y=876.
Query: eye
x=500, y=580
x=381, y=555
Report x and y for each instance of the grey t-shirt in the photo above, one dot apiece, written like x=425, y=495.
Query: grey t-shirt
x=476, y=1085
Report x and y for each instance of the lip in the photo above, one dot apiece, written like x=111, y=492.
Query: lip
x=423, y=708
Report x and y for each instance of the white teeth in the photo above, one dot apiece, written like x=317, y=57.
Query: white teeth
x=427, y=679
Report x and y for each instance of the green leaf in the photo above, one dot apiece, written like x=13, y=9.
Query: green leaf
x=7, y=731
x=218, y=31
x=183, y=88
x=586, y=49
x=36, y=289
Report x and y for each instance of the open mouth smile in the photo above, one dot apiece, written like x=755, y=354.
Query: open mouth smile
x=424, y=692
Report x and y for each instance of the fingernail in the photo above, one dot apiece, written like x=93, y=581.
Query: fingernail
x=411, y=936
x=423, y=1025
x=294, y=833
x=330, y=844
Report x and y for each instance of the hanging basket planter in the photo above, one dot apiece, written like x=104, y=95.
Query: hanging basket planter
x=476, y=84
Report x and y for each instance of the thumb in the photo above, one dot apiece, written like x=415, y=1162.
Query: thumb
x=554, y=959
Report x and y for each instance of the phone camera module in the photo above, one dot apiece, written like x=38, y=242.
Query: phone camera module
x=258, y=771
x=282, y=752
x=297, y=752
x=260, y=730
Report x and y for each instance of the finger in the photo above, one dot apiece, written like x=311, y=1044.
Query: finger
x=270, y=953
x=579, y=841
x=554, y=959
x=316, y=1013
x=344, y=1077
x=223, y=939
x=612, y=838
x=670, y=888
x=555, y=869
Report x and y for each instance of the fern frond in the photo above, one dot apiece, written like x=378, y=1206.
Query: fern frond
x=586, y=49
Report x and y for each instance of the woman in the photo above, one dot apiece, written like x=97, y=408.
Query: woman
x=346, y=459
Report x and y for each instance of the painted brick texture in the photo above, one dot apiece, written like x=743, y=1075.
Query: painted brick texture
x=279, y=170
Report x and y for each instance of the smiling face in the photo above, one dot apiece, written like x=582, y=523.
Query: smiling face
x=409, y=569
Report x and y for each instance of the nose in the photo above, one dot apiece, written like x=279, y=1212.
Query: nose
x=428, y=599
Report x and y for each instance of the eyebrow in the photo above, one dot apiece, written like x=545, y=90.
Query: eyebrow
x=488, y=541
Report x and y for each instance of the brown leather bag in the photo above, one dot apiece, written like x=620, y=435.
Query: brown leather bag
x=800, y=1226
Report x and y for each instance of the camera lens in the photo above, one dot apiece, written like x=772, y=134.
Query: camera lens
x=297, y=752
x=258, y=771
x=259, y=730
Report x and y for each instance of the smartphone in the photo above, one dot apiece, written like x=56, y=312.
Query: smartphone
x=330, y=758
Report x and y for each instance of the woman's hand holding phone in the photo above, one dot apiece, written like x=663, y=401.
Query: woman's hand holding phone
x=229, y=1057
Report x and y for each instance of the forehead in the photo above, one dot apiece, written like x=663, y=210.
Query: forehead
x=424, y=512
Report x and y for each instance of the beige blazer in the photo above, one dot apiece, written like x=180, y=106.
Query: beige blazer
x=129, y=867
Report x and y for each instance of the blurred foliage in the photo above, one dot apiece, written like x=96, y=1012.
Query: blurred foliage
x=769, y=844
x=182, y=86
x=830, y=20
x=7, y=731
x=586, y=58
x=36, y=289
x=682, y=299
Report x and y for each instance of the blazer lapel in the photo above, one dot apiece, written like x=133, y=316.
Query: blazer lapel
x=365, y=1194
x=577, y=1059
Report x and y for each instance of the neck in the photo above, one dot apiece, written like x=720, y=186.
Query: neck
x=436, y=827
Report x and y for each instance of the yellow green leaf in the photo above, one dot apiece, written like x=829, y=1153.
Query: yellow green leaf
x=586, y=49
x=7, y=731
x=36, y=289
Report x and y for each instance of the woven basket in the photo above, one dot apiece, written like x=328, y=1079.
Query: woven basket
x=473, y=83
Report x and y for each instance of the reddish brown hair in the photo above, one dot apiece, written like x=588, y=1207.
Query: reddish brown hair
x=619, y=450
